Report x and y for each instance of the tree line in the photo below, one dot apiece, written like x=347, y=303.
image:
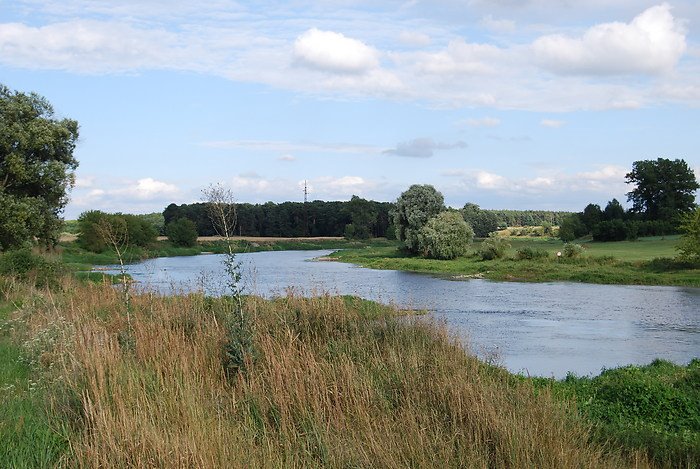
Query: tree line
x=356, y=218
x=663, y=195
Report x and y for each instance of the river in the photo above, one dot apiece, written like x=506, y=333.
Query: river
x=540, y=329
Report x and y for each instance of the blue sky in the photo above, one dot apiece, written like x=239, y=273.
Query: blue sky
x=540, y=104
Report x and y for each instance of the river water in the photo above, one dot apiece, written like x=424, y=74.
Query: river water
x=540, y=329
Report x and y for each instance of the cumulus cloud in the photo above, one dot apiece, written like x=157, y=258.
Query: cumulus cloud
x=334, y=52
x=142, y=195
x=422, y=148
x=652, y=42
x=552, y=123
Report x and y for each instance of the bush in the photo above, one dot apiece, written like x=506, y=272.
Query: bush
x=613, y=230
x=445, y=236
x=23, y=264
x=528, y=253
x=572, y=250
x=130, y=230
x=493, y=248
x=182, y=232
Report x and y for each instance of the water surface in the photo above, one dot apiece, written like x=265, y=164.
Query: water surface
x=544, y=329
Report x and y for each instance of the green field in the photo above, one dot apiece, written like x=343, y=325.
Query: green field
x=647, y=261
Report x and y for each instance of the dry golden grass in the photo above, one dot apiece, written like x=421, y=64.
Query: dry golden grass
x=325, y=387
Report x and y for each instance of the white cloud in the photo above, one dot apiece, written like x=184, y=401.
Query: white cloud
x=94, y=47
x=605, y=173
x=652, y=42
x=606, y=181
x=149, y=188
x=460, y=57
x=481, y=122
x=264, y=46
x=334, y=52
x=552, y=123
x=140, y=196
x=422, y=148
x=287, y=157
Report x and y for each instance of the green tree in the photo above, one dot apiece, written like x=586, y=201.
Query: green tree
x=36, y=168
x=482, y=222
x=689, y=246
x=614, y=211
x=182, y=232
x=591, y=216
x=414, y=207
x=445, y=236
x=363, y=215
x=663, y=189
x=572, y=228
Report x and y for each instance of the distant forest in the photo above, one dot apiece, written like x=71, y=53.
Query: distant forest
x=319, y=218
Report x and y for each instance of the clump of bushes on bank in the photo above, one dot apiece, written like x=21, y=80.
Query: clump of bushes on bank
x=654, y=408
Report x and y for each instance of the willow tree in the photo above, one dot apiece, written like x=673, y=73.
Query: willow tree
x=414, y=207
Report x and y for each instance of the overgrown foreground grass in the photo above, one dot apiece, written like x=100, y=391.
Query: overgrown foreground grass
x=327, y=381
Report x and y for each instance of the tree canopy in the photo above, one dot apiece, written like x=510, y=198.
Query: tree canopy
x=414, y=207
x=36, y=168
x=445, y=236
x=663, y=189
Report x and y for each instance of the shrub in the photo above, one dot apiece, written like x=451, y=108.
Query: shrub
x=131, y=229
x=493, y=248
x=613, y=230
x=529, y=253
x=182, y=232
x=445, y=236
x=572, y=250
x=24, y=264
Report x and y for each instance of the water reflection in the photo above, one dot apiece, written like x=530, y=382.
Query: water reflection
x=536, y=328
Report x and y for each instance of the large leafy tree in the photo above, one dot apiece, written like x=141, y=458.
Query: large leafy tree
x=663, y=189
x=414, y=207
x=445, y=236
x=36, y=168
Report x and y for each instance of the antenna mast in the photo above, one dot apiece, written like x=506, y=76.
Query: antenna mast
x=306, y=192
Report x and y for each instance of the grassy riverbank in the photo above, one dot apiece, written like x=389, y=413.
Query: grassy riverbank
x=326, y=382
x=647, y=261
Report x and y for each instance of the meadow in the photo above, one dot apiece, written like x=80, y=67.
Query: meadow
x=647, y=261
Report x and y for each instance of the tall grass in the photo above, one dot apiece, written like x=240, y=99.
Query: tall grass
x=328, y=383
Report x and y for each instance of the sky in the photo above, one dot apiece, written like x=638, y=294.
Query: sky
x=509, y=104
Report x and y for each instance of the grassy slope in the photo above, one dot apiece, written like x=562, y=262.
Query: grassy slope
x=629, y=263
x=329, y=382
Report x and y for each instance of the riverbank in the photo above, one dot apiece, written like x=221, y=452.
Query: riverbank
x=80, y=259
x=647, y=261
x=322, y=382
